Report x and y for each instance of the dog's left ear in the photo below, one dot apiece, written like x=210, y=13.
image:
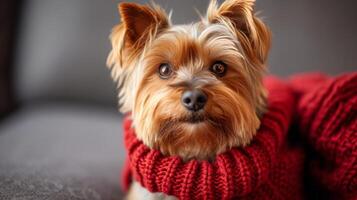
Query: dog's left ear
x=238, y=15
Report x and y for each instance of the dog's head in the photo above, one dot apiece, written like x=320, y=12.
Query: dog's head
x=194, y=90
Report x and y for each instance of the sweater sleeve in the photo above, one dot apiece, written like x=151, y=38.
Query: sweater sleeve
x=327, y=112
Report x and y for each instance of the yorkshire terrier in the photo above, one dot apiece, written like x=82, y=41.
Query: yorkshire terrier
x=193, y=90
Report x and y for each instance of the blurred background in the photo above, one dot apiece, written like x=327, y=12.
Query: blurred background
x=60, y=132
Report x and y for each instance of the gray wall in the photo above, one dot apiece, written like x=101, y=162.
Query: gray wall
x=63, y=44
x=318, y=35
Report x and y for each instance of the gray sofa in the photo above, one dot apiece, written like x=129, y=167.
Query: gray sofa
x=65, y=142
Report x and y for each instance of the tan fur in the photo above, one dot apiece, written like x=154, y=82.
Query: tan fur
x=230, y=33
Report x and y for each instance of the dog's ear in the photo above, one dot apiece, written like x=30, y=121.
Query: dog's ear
x=141, y=20
x=238, y=15
x=140, y=23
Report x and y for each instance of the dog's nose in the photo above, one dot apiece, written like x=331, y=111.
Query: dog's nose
x=194, y=100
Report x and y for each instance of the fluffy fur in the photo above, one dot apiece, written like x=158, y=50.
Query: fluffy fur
x=230, y=33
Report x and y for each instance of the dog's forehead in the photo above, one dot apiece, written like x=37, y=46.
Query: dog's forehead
x=199, y=42
x=193, y=31
x=200, y=31
x=217, y=39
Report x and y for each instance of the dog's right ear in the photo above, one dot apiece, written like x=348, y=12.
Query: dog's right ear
x=140, y=23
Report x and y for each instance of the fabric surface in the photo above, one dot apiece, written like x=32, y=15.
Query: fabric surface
x=327, y=116
x=62, y=51
x=61, y=151
x=266, y=169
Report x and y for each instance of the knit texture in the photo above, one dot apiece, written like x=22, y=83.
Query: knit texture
x=266, y=169
x=324, y=111
x=327, y=117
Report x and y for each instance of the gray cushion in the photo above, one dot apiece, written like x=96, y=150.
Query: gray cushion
x=61, y=152
x=62, y=51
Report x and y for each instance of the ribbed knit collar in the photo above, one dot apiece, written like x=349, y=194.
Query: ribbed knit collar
x=237, y=172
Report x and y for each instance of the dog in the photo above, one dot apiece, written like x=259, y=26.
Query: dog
x=193, y=90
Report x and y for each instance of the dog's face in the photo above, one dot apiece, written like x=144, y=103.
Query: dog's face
x=193, y=90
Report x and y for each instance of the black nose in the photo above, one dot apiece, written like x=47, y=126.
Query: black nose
x=194, y=100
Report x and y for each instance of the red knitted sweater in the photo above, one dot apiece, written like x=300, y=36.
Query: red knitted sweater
x=266, y=169
x=327, y=117
x=324, y=110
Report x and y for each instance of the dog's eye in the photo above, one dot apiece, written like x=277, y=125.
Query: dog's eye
x=219, y=68
x=165, y=71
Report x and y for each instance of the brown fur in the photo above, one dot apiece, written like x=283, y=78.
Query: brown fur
x=231, y=33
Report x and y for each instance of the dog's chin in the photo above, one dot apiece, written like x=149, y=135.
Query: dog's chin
x=194, y=118
x=192, y=136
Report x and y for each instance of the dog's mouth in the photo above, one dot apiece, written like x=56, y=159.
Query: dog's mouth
x=193, y=118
